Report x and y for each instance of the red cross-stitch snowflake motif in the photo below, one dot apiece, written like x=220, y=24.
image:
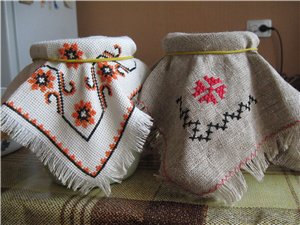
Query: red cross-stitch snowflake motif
x=215, y=85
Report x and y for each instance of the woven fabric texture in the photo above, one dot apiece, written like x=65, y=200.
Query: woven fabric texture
x=80, y=118
x=220, y=113
x=29, y=196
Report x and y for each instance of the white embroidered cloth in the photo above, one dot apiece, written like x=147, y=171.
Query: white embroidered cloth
x=79, y=118
x=220, y=107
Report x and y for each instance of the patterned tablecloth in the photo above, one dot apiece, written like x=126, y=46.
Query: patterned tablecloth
x=29, y=196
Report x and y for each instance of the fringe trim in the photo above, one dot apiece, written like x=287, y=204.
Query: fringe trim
x=278, y=148
x=115, y=171
x=123, y=160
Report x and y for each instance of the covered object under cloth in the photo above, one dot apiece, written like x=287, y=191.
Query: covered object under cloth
x=73, y=106
x=220, y=107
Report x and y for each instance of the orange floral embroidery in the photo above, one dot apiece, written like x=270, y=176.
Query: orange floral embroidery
x=41, y=80
x=11, y=104
x=26, y=115
x=107, y=72
x=98, y=168
x=70, y=51
x=79, y=163
x=116, y=138
x=112, y=146
x=84, y=114
x=135, y=92
x=86, y=120
x=19, y=110
x=103, y=160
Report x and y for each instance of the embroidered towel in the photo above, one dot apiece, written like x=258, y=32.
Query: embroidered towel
x=74, y=109
x=220, y=107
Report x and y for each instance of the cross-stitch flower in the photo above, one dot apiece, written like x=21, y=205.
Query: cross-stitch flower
x=70, y=51
x=41, y=80
x=107, y=72
x=209, y=91
x=84, y=114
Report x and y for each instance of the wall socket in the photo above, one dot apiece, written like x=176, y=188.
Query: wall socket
x=253, y=25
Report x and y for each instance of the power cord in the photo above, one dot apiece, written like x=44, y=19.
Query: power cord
x=264, y=28
x=293, y=80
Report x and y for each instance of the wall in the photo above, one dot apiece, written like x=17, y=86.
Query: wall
x=34, y=23
x=148, y=22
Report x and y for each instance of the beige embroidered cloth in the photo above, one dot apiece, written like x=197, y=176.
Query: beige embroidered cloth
x=78, y=116
x=220, y=107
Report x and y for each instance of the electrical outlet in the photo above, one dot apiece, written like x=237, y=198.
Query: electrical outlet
x=253, y=26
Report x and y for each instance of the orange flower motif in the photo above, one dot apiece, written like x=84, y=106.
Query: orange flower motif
x=84, y=114
x=70, y=51
x=107, y=72
x=41, y=80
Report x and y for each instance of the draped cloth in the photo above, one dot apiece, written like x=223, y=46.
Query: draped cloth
x=73, y=106
x=220, y=108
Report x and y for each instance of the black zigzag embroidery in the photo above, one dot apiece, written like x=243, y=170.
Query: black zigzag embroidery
x=184, y=115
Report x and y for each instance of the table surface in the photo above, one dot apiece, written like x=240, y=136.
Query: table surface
x=29, y=196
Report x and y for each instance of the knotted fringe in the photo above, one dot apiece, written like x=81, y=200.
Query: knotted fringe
x=279, y=148
x=132, y=144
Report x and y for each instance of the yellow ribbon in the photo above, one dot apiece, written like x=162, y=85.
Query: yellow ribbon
x=213, y=52
x=85, y=60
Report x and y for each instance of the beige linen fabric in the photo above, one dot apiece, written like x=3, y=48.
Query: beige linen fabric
x=220, y=113
x=79, y=118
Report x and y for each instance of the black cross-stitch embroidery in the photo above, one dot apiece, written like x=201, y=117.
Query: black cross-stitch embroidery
x=95, y=85
x=100, y=92
x=42, y=80
x=107, y=54
x=59, y=148
x=60, y=103
x=57, y=98
x=71, y=83
x=71, y=54
x=195, y=125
